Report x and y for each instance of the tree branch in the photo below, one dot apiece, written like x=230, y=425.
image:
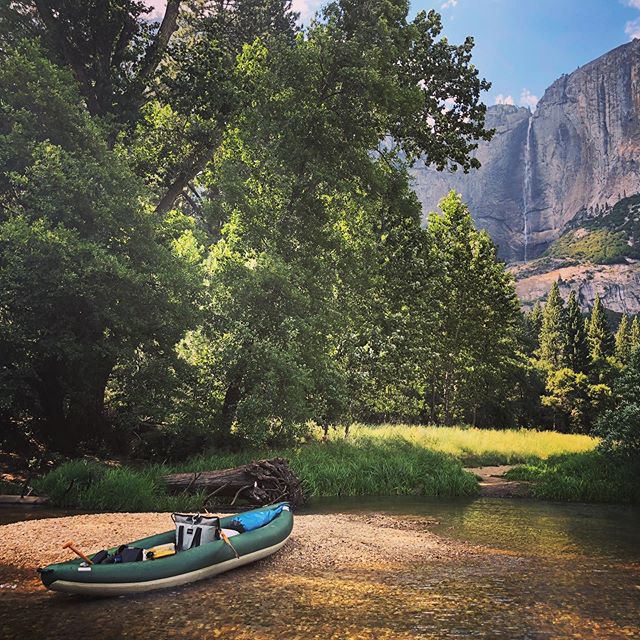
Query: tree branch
x=77, y=66
x=158, y=46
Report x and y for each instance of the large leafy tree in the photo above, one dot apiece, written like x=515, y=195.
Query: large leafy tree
x=87, y=274
x=300, y=186
x=620, y=425
x=475, y=338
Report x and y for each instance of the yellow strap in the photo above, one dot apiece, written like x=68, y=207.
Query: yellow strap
x=224, y=536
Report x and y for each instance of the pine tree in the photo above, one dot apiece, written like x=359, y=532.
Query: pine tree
x=601, y=342
x=531, y=325
x=577, y=349
x=553, y=331
x=634, y=334
x=623, y=340
x=535, y=318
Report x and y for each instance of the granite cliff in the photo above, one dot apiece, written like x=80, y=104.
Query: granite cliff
x=578, y=152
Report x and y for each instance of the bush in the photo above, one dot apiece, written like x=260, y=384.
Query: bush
x=584, y=477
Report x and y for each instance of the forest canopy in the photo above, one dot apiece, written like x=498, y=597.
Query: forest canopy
x=208, y=235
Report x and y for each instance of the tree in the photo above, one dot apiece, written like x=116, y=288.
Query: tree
x=553, y=336
x=574, y=399
x=87, y=275
x=619, y=427
x=634, y=334
x=164, y=92
x=577, y=349
x=474, y=342
x=297, y=205
x=623, y=346
x=599, y=336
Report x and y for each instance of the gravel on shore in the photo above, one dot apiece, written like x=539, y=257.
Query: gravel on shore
x=317, y=541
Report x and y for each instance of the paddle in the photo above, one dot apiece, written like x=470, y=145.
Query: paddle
x=70, y=545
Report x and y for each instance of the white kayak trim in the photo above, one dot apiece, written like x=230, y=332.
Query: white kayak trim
x=122, y=588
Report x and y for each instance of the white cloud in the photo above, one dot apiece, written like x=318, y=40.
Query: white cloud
x=306, y=8
x=527, y=99
x=502, y=99
x=449, y=4
x=632, y=28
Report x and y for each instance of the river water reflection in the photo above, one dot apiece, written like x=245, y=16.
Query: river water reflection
x=543, y=570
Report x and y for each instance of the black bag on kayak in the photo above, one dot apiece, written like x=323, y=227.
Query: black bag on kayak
x=127, y=554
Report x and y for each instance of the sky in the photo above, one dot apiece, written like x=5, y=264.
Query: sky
x=522, y=46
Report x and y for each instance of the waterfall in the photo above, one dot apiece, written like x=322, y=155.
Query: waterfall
x=526, y=187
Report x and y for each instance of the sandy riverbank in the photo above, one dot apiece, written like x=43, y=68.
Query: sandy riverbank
x=318, y=541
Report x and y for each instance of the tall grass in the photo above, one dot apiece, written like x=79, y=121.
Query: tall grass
x=360, y=466
x=385, y=460
x=582, y=477
x=476, y=447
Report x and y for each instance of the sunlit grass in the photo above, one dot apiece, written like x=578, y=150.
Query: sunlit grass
x=475, y=447
x=384, y=460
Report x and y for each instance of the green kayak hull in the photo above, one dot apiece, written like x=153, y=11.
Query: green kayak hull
x=203, y=562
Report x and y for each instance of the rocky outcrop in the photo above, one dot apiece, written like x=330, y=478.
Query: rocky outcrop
x=579, y=150
x=617, y=284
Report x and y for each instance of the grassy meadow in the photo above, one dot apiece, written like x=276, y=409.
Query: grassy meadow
x=371, y=460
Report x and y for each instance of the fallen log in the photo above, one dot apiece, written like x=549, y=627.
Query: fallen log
x=258, y=483
x=25, y=500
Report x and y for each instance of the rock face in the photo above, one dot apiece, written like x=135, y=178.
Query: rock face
x=580, y=149
x=617, y=284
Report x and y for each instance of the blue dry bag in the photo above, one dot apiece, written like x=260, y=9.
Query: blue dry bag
x=256, y=519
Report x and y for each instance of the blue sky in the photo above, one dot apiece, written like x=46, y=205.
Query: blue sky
x=522, y=46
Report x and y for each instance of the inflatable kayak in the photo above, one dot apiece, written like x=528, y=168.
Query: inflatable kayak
x=199, y=563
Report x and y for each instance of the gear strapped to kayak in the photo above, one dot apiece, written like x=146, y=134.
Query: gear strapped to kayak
x=156, y=562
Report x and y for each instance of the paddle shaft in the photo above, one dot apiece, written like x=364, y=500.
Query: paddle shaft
x=70, y=545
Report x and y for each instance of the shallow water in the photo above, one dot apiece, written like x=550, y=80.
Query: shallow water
x=545, y=571
x=527, y=526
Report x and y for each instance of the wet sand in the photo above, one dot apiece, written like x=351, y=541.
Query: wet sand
x=339, y=576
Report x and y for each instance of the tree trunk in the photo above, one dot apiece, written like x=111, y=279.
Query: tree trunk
x=230, y=404
x=71, y=416
x=258, y=483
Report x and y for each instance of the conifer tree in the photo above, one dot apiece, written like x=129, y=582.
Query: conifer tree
x=601, y=342
x=553, y=331
x=577, y=350
x=634, y=334
x=623, y=340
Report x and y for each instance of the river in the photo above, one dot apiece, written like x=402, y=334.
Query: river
x=519, y=569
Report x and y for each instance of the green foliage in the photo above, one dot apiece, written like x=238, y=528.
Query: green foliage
x=208, y=239
x=603, y=235
x=585, y=477
x=623, y=342
x=620, y=426
x=552, y=339
x=600, y=339
x=85, y=275
x=601, y=246
x=573, y=399
x=96, y=487
x=577, y=350
x=383, y=460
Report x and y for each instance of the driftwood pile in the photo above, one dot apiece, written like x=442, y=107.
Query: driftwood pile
x=258, y=483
